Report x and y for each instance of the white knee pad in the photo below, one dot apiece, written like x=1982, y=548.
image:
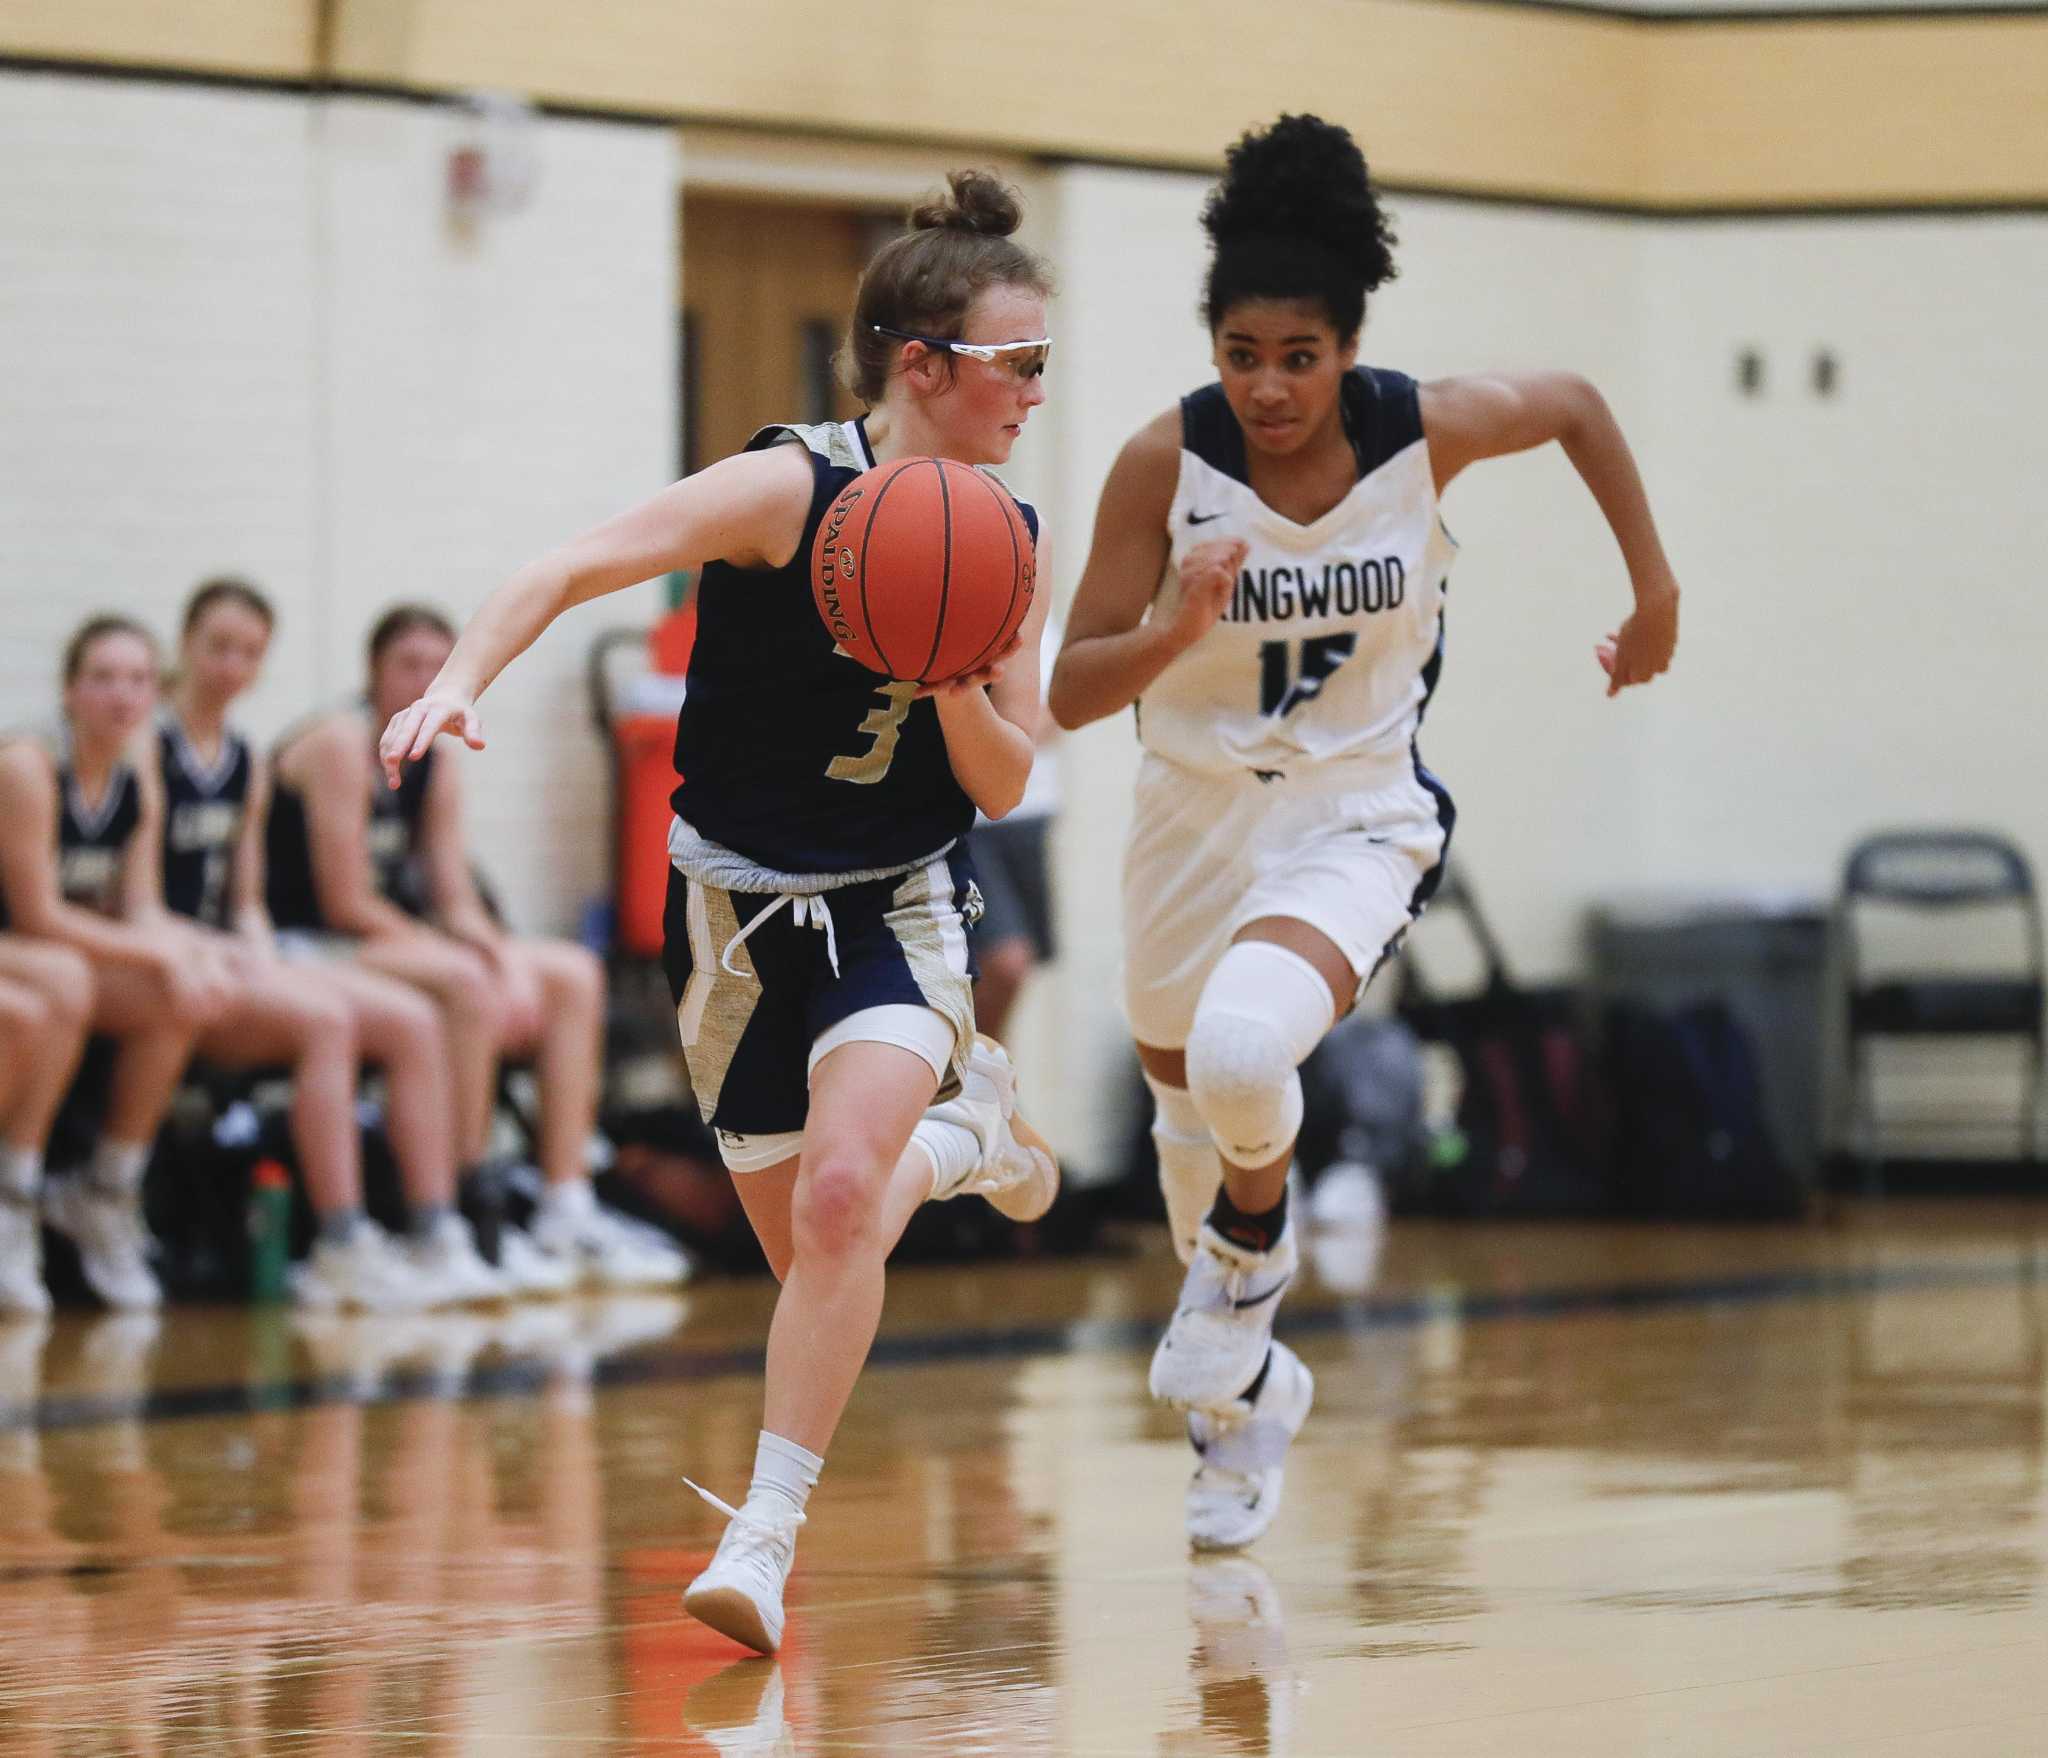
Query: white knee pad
x=1262, y=1011
x=1190, y=1169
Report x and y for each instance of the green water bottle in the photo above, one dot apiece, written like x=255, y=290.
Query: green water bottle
x=270, y=1231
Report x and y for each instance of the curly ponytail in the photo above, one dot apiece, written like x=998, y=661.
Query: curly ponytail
x=1296, y=217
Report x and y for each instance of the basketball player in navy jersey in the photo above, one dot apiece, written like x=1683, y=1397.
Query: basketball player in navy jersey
x=1267, y=585
x=322, y=1018
x=79, y=839
x=817, y=906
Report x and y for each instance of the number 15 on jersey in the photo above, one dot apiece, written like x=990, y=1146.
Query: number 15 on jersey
x=1286, y=682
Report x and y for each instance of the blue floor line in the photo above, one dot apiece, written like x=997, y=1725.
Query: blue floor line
x=514, y=1379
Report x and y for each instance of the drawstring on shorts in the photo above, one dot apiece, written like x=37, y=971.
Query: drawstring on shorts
x=809, y=912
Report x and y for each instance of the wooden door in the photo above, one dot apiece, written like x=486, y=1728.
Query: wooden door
x=767, y=290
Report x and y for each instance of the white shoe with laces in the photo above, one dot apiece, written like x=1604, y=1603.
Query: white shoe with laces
x=21, y=1258
x=606, y=1249
x=1018, y=1171
x=739, y=1594
x=1235, y=1491
x=1217, y=1341
x=112, y=1244
x=528, y=1267
x=453, y=1268
x=366, y=1273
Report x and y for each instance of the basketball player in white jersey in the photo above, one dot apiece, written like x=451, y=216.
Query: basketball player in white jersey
x=1266, y=584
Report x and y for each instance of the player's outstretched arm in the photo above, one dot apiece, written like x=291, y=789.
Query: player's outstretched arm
x=748, y=509
x=1489, y=415
x=1113, y=650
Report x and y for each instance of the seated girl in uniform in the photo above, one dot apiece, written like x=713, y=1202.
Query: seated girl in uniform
x=321, y=1020
x=79, y=834
x=386, y=874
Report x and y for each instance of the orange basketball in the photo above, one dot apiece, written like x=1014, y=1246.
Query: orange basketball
x=923, y=569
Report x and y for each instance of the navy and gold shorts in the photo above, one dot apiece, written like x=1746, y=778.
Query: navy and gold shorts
x=753, y=996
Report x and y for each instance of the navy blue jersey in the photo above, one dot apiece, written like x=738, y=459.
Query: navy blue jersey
x=205, y=807
x=792, y=754
x=92, y=836
x=396, y=818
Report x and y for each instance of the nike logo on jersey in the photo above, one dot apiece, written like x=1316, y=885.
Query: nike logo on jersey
x=1345, y=589
x=1195, y=518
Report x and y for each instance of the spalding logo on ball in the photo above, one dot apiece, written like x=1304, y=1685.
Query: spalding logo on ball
x=923, y=569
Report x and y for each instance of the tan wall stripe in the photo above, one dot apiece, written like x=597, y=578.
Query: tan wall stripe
x=262, y=38
x=1499, y=100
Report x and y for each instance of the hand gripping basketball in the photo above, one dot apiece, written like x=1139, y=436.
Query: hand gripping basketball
x=924, y=569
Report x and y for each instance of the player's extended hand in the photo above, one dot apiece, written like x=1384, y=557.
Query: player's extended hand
x=1641, y=648
x=1200, y=594
x=413, y=730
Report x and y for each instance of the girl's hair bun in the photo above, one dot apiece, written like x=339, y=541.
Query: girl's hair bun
x=977, y=202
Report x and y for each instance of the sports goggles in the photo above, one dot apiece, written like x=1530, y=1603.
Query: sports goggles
x=1024, y=360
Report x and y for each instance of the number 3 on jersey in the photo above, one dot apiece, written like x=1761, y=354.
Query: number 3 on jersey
x=884, y=725
x=1281, y=695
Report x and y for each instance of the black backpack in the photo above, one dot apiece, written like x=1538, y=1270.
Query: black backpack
x=1691, y=1138
x=1531, y=1136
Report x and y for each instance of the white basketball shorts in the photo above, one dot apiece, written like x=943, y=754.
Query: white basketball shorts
x=1353, y=849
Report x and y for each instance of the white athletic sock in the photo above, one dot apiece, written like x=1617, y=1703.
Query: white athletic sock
x=21, y=1172
x=1190, y=1168
x=785, y=1471
x=952, y=1148
x=573, y=1198
x=117, y=1167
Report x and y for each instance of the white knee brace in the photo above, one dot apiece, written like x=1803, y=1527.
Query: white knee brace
x=1262, y=1011
x=1190, y=1169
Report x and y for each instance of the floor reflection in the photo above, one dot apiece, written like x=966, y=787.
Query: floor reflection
x=306, y=1579
x=1565, y=1490
x=1241, y=1681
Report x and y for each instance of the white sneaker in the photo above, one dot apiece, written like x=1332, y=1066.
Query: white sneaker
x=1348, y=1196
x=739, y=1712
x=530, y=1269
x=1235, y=1491
x=454, y=1270
x=1217, y=1341
x=21, y=1258
x=112, y=1244
x=606, y=1249
x=739, y=1593
x=367, y=1272
x=1347, y=1227
x=1018, y=1171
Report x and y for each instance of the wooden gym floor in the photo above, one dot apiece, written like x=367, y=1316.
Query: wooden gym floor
x=1578, y=1491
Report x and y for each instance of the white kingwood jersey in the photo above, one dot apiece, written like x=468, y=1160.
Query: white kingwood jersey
x=1331, y=643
